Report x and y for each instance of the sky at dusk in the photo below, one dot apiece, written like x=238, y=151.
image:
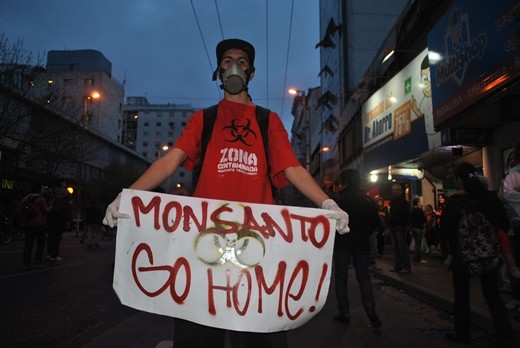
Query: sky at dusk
x=165, y=49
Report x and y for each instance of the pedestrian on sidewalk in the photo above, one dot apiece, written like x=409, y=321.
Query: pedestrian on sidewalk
x=382, y=232
x=472, y=196
x=355, y=246
x=398, y=221
x=417, y=221
x=34, y=225
x=57, y=219
x=237, y=127
x=93, y=221
x=444, y=248
x=509, y=194
x=431, y=231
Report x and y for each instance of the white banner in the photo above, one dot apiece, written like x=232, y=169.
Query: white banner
x=231, y=265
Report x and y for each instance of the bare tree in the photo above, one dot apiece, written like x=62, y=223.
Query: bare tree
x=16, y=81
x=43, y=135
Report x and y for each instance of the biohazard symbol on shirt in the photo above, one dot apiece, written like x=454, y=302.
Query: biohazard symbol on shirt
x=240, y=130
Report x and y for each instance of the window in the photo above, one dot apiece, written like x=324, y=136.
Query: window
x=171, y=125
x=146, y=124
x=145, y=134
x=170, y=134
x=66, y=100
x=157, y=134
x=159, y=114
x=158, y=124
x=181, y=174
x=89, y=82
x=145, y=144
x=145, y=154
x=183, y=124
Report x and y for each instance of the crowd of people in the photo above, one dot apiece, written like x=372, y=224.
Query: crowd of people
x=474, y=231
x=45, y=216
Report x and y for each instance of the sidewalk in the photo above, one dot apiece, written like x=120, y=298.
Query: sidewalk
x=432, y=283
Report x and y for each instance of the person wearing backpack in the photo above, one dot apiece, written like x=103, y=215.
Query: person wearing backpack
x=34, y=225
x=473, y=215
x=236, y=167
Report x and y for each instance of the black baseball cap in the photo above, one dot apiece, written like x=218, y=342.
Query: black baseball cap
x=243, y=45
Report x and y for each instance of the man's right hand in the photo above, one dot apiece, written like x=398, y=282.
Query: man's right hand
x=112, y=213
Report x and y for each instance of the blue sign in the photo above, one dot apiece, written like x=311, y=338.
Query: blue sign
x=479, y=47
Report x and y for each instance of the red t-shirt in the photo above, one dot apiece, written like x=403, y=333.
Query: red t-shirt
x=235, y=166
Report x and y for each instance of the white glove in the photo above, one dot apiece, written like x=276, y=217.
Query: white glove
x=337, y=214
x=112, y=213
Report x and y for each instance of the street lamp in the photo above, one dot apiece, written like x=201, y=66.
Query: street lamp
x=93, y=95
x=307, y=125
x=164, y=148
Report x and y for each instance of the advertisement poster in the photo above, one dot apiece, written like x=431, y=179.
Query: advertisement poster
x=395, y=107
x=478, y=54
x=238, y=266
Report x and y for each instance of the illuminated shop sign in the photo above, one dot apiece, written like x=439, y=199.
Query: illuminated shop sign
x=479, y=47
x=405, y=99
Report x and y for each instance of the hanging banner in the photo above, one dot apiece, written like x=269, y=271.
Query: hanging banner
x=231, y=265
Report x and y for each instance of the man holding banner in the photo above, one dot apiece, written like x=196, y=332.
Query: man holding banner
x=236, y=168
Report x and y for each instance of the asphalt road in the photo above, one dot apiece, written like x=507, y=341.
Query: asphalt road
x=71, y=304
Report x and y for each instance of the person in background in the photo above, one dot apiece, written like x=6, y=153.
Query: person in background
x=417, y=221
x=355, y=246
x=445, y=250
x=34, y=228
x=398, y=222
x=431, y=232
x=57, y=219
x=470, y=196
x=382, y=232
x=236, y=128
x=509, y=194
x=92, y=229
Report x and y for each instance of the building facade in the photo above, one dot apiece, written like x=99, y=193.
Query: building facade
x=51, y=131
x=449, y=93
x=79, y=83
x=152, y=129
x=351, y=33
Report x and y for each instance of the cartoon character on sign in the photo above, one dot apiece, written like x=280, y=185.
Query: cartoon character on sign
x=424, y=108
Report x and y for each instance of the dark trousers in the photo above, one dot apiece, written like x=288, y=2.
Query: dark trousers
x=380, y=242
x=497, y=309
x=417, y=234
x=191, y=335
x=401, y=248
x=361, y=266
x=33, y=233
x=54, y=240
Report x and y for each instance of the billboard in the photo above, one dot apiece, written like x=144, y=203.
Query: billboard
x=478, y=43
x=395, y=108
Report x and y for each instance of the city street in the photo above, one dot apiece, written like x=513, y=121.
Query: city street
x=71, y=304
